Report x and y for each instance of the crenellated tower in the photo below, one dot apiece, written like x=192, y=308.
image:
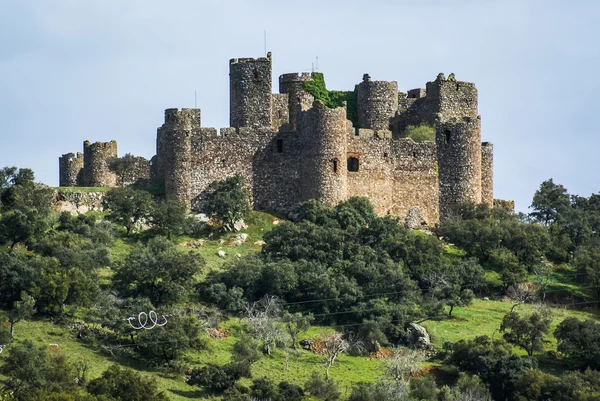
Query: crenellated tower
x=70, y=168
x=323, y=170
x=458, y=140
x=173, y=151
x=377, y=103
x=250, y=92
x=96, y=170
x=293, y=85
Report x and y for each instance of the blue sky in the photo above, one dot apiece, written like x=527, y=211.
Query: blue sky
x=72, y=70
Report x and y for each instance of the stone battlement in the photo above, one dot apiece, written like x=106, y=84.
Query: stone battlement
x=291, y=147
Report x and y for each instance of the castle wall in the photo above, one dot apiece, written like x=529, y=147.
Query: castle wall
x=293, y=85
x=487, y=173
x=70, y=168
x=322, y=167
x=250, y=86
x=280, y=111
x=231, y=152
x=96, y=156
x=140, y=170
x=396, y=175
x=377, y=103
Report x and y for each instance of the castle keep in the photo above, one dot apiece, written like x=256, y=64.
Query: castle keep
x=291, y=147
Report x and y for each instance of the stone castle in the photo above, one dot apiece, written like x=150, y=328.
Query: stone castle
x=291, y=147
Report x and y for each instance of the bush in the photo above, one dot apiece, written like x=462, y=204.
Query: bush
x=213, y=377
x=579, y=340
x=227, y=201
x=420, y=133
x=126, y=385
x=318, y=387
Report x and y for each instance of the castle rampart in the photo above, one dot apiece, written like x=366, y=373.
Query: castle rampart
x=96, y=157
x=290, y=147
x=71, y=169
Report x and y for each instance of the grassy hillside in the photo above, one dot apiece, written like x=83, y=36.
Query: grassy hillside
x=483, y=317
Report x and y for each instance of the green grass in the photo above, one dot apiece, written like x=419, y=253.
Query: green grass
x=480, y=318
x=259, y=223
x=485, y=317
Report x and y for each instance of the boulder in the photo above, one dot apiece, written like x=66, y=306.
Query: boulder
x=221, y=253
x=414, y=220
x=239, y=225
x=418, y=337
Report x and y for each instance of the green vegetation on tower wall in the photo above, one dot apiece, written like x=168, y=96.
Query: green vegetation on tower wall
x=332, y=99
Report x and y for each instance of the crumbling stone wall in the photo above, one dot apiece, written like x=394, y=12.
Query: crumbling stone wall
x=487, y=173
x=280, y=111
x=70, y=168
x=298, y=98
x=377, y=103
x=140, y=170
x=95, y=157
x=250, y=92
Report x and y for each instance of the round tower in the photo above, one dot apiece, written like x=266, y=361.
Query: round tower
x=377, y=103
x=95, y=160
x=186, y=119
x=293, y=85
x=458, y=143
x=487, y=173
x=70, y=169
x=323, y=168
x=250, y=92
x=175, y=152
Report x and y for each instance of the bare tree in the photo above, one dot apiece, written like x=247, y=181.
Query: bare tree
x=401, y=365
x=263, y=320
x=334, y=344
x=520, y=294
x=296, y=323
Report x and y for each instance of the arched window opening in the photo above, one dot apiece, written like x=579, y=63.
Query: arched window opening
x=353, y=164
x=447, y=136
x=279, y=146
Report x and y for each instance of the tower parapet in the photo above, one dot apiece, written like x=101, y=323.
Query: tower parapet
x=323, y=168
x=293, y=85
x=250, y=92
x=377, y=103
x=96, y=157
x=452, y=98
x=70, y=169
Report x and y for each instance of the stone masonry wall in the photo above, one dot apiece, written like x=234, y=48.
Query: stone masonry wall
x=395, y=174
x=250, y=85
x=96, y=171
x=487, y=173
x=323, y=169
x=377, y=103
x=293, y=85
x=280, y=111
x=70, y=168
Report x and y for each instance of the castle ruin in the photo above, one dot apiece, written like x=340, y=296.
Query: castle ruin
x=291, y=147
